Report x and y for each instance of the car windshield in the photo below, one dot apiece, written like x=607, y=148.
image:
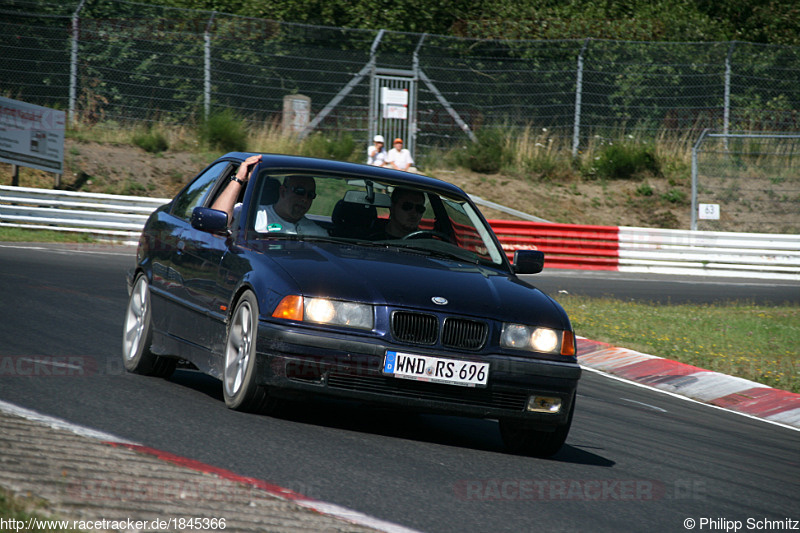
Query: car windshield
x=369, y=212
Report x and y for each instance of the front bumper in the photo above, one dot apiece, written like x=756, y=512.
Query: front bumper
x=291, y=361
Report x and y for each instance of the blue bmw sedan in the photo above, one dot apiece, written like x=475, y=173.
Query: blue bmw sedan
x=286, y=277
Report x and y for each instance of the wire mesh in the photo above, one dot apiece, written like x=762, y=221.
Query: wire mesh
x=137, y=62
x=754, y=179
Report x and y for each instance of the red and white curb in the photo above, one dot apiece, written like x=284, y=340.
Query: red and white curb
x=728, y=392
x=323, y=508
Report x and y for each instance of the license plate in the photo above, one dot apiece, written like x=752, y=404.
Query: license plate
x=436, y=369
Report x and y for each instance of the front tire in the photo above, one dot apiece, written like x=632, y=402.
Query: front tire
x=523, y=439
x=137, y=335
x=239, y=386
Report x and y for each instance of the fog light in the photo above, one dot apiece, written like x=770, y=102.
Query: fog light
x=544, y=404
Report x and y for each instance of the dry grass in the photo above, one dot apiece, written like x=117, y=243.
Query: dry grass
x=270, y=138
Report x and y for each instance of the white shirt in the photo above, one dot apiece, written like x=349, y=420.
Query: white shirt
x=401, y=158
x=268, y=221
x=376, y=158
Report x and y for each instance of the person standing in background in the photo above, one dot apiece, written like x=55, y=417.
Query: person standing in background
x=376, y=155
x=400, y=158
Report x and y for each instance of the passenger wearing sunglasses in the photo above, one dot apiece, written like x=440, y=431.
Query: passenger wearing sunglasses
x=405, y=214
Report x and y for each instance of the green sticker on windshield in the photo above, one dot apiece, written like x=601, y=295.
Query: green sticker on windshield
x=274, y=227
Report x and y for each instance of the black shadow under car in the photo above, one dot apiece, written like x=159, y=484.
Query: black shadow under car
x=392, y=289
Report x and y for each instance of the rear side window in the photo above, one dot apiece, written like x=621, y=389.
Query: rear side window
x=197, y=192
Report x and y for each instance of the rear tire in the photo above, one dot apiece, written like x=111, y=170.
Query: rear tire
x=520, y=437
x=239, y=386
x=137, y=335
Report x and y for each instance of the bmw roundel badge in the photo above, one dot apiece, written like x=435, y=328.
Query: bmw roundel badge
x=439, y=300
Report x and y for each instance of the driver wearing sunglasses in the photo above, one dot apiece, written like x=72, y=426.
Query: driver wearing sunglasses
x=405, y=214
x=288, y=214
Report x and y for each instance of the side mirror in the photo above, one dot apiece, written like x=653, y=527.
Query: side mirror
x=209, y=220
x=528, y=261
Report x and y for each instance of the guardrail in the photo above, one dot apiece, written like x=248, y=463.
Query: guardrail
x=619, y=248
x=665, y=251
x=727, y=254
x=106, y=215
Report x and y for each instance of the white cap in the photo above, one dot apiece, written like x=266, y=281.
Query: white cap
x=378, y=139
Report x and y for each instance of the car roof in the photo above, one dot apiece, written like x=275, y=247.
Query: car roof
x=292, y=162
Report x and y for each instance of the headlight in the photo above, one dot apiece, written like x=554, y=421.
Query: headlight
x=544, y=340
x=536, y=339
x=324, y=311
x=319, y=310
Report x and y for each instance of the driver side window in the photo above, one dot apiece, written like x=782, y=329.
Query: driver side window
x=197, y=192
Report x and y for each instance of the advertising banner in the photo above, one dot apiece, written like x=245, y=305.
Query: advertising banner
x=31, y=135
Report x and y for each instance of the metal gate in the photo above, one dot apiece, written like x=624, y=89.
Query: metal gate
x=393, y=107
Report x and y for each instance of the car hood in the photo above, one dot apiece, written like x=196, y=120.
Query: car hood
x=412, y=280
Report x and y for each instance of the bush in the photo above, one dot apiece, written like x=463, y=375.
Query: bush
x=341, y=148
x=664, y=220
x=626, y=161
x=675, y=196
x=151, y=140
x=487, y=155
x=546, y=166
x=645, y=189
x=225, y=131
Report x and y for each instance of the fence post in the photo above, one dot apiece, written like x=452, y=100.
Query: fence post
x=726, y=110
x=372, y=119
x=207, y=66
x=576, y=128
x=695, y=148
x=413, y=107
x=73, y=62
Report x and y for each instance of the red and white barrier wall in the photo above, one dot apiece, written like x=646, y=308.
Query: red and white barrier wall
x=627, y=249
x=756, y=255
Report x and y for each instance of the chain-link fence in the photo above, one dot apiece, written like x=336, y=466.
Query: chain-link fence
x=112, y=61
x=746, y=183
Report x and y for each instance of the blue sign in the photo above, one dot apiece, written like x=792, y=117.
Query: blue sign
x=388, y=365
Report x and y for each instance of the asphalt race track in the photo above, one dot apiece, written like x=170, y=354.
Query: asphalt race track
x=636, y=459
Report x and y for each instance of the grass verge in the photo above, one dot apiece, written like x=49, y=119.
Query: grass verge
x=755, y=342
x=28, y=515
x=8, y=234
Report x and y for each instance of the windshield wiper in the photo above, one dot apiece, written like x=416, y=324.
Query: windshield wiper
x=397, y=245
x=457, y=254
